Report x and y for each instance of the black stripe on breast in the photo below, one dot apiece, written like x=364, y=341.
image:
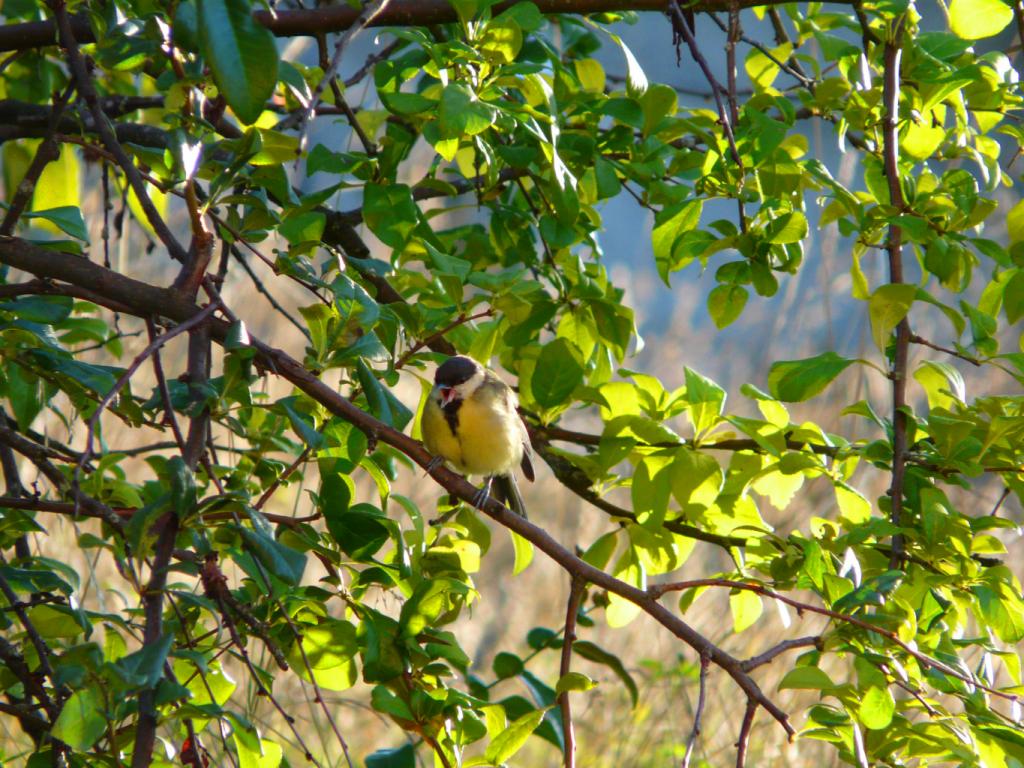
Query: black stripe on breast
x=451, y=415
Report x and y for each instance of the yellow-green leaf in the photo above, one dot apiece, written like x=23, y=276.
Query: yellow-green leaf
x=888, y=305
x=975, y=19
x=746, y=609
x=523, y=552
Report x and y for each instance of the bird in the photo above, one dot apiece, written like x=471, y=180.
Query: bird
x=470, y=421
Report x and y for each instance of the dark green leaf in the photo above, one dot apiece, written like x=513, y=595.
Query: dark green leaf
x=241, y=53
x=400, y=757
x=284, y=562
x=558, y=372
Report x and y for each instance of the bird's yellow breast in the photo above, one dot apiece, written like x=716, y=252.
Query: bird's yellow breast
x=486, y=440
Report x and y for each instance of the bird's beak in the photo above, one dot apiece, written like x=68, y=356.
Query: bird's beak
x=448, y=394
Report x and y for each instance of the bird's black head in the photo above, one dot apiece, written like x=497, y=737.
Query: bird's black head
x=455, y=371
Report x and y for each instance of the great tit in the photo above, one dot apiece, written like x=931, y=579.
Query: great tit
x=470, y=421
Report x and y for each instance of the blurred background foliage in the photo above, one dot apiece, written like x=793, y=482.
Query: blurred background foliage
x=680, y=240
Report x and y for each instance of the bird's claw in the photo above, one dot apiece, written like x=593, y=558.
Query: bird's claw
x=481, y=497
x=433, y=464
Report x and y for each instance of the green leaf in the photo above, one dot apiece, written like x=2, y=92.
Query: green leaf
x=507, y=665
x=788, y=228
x=591, y=75
x=523, y=549
x=636, y=80
x=592, y=652
x=98, y=378
x=670, y=224
x=47, y=310
x=746, y=609
x=942, y=383
x=806, y=678
x=975, y=19
x=876, y=708
x=501, y=41
x=511, y=740
x=357, y=529
x=696, y=478
x=330, y=648
x=574, y=681
x=67, y=218
x=794, y=381
x=383, y=403
x=302, y=423
x=888, y=305
x=761, y=70
x=461, y=113
x=145, y=667
x=726, y=303
x=400, y=757
x=705, y=399
x=26, y=394
x=282, y=561
x=1002, y=610
x=659, y=101
x=1013, y=297
x=81, y=722
x=241, y=53
x=1015, y=223
x=182, y=486
x=559, y=370
x=390, y=212
x=267, y=754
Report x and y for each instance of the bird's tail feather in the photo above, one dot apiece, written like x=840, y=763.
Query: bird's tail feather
x=506, y=490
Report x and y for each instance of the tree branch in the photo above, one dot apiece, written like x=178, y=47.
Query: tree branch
x=399, y=13
x=147, y=299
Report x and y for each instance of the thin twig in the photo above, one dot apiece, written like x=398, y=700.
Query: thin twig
x=683, y=30
x=282, y=477
x=460, y=320
x=258, y=284
x=732, y=36
x=776, y=650
x=744, y=738
x=691, y=742
x=792, y=71
x=165, y=392
x=999, y=502
x=125, y=513
x=40, y=457
x=339, y=99
x=915, y=339
x=572, y=609
x=370, y=11
x=371, y=62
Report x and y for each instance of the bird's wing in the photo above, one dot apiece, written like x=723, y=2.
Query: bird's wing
x=527, y=463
